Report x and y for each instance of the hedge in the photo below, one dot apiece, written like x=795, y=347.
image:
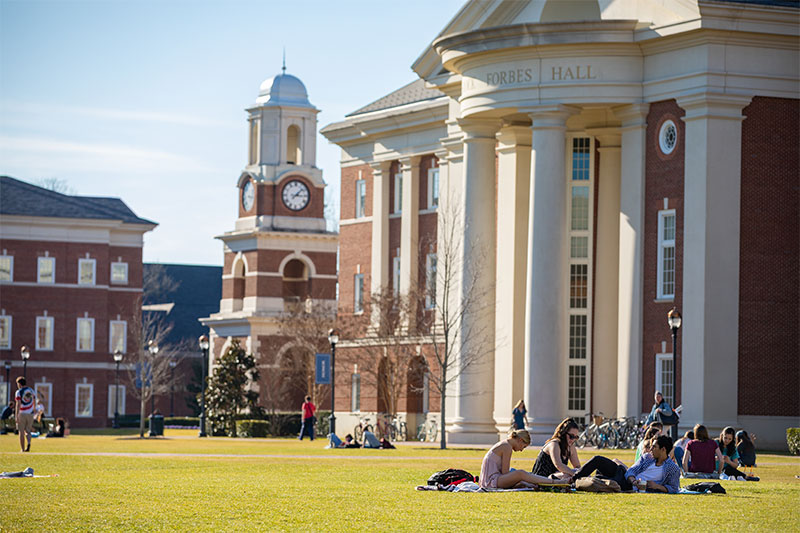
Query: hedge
x=252, y=428
x=793, y=440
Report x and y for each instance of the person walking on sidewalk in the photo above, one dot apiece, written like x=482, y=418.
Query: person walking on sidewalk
x=308, y=409
x=25, y=398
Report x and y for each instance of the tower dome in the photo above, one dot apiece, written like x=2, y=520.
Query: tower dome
x=283, y=90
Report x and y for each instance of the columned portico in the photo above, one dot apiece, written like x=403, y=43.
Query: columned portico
x=712, y=199
x=546, y=294
x=513, y=193
x=379, y=271
x=475, y=206
x=631, y=258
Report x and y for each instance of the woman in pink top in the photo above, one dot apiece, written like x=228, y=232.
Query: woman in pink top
x=496, y=472
x=702, y=454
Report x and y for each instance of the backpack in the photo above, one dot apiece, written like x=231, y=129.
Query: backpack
x=451, y=476
x=707, y=486
x=596, y=484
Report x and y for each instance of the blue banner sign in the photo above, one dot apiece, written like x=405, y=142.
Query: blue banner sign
x=323, y=369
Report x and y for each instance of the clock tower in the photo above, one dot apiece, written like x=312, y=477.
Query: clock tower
x=279, y=257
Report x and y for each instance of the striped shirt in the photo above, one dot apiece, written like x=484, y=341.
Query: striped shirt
x=672, y=474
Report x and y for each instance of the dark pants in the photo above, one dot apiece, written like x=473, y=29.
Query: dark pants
x=607, y=469
x=730, y=471
x=307, y=428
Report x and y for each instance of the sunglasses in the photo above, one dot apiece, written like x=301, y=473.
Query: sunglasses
x=571, y=436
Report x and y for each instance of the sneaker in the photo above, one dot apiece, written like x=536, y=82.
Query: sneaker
x=28, y=472
x=753, y=478
x=740, y=478
x=724, y=476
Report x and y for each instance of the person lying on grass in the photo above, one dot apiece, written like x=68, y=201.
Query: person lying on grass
x=495, y=469
x=655, y=471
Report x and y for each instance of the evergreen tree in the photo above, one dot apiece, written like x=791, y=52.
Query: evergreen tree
x=228, y=392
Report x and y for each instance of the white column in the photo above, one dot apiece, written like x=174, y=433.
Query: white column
x=379, y=269
x=513, y=192
x=606, y=286
x=631, y=258
x=711, y=200
x=409, y=226
x=473, y=421
x=545, y=382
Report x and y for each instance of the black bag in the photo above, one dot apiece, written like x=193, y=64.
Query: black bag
x=707, y=486
x=451, y=476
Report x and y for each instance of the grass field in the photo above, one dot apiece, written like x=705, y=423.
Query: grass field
x=119, y=482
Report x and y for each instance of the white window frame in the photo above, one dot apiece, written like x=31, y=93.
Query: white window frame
x=361, y=198
x=396, y=275
x=355, y=392
x=358, y=293
x=430, y=281
x=78, y=334
x=78, y=387
x=433, y=192
x=663, y=142
x=662, y=245
x=39, y=262
x=49, y=347
x=7, y=344
x=48, y=409
x=111, y=273
x=112, y=398
x=10, y=267
x=398, y=193
x=111, y=347
x=87, y=261
x=659, y=381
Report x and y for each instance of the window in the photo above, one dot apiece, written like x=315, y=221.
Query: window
x=433, y=188
x=5, y=334
x=253, y=142
x=44, y=332
x=84, y=396
x=46, y=270
x=361, y=198
x=293, y=146
x=6, y=268
x=578, y=285
x=430, y=281
x=85, y=335
x=577, y=336
x=668, y=137
x=112, y=400
x=44, y=394
x=664, y=364
x=580, y=208
x=665, y=277
x=398, y=193
x=577, y=388
x=355, y=392
x=86, y=271
x=117, y=336
x=581, y=158
x=119, y=273
x=396, y=275
x=358, y=293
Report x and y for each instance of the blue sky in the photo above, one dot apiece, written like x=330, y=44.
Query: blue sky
x=145, y=100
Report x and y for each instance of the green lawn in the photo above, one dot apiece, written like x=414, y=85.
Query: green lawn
x=123, y=483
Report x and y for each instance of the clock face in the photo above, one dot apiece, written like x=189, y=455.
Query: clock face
x=295, y=195
x=248, y=195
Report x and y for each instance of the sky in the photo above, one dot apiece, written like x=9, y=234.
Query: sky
x=145, y=100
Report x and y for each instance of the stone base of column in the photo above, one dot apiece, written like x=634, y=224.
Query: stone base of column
x=461, y=431
x=541, y=429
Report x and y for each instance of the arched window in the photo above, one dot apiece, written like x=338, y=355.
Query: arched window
x=296, y=283
x=417, y=385
x=238, y=285
x=294, y=151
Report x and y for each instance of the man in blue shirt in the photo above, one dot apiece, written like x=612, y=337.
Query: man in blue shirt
x=655, y=471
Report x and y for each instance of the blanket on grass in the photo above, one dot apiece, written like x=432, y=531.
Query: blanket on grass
x=469, y=486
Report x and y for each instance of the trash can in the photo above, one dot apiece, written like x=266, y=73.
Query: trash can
x=156, y=426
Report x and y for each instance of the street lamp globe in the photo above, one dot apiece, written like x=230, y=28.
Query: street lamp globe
x=203, y=340
x=117, y=356
x=152, y=347
x=674, y=318
x=25, y=352
x=333, y=336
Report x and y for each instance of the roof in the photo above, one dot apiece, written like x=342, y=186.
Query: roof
x=416, y=91
x=197, y=295
x=25, y=199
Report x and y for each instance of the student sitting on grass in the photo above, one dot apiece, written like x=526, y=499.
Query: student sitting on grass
x=496, y=472
x=701, y=453
x=746, y=449
x=680, y=447
x=730, y=457
x=655, y=471
x=653, y=431
x=558, y=451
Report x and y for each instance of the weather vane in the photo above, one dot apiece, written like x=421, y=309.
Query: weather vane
x=284, y=60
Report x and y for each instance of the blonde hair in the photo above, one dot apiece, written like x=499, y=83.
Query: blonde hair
x=519, y=403
x=521, y=434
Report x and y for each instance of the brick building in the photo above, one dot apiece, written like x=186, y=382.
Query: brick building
x=280, y=260
x=614, y=160
x=70, y=288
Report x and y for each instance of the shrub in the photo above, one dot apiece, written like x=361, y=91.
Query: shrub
x=252, y=428
x=182, y=421
x=793, y=440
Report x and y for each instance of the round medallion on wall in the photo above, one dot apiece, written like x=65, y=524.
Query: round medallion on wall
x=248, y=195
x=295, y=195
x=668, y=137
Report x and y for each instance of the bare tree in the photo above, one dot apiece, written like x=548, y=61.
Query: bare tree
x=58, y=185
x=157, y=285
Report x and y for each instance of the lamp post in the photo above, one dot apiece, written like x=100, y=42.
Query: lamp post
x=152, y=347
x=8, y=383
x=117, y=359
x=26, y=354
x=203, y=341
x=333, y=338
x=674, y=321
x=172, y=388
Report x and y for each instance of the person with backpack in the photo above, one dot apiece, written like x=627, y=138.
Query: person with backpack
x=496, y=471
x=26, y=406
x=308, y=410
x=661, y=411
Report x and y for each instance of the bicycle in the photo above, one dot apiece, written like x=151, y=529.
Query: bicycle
x=362, y=426
x=428, y=431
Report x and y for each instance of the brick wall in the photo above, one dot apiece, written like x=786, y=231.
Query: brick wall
x=769, y=285
x=664, y=179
